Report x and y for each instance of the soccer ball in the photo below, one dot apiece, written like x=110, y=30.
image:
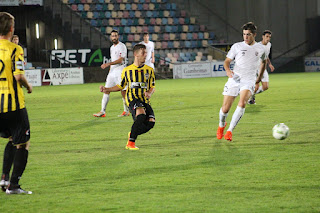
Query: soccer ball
x=280, y=131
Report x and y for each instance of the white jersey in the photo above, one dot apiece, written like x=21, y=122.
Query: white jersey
x=268, y=47
x=247, y=58
x=150, y=50
x=117, y=51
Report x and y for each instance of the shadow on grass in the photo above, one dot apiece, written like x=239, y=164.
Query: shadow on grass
x=254, y=108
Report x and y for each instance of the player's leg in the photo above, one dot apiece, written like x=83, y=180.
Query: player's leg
x=231, y=90
x=105, y=97
x=8, y=157
x=238, y=113
x=125, y=107
x=264, y=83
x=21, y=136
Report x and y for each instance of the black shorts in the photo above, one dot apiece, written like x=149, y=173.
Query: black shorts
x=133, y=105
x=15, y=124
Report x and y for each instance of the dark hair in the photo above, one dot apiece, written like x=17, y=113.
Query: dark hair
x=114, y=31
x=6, y=22
x=138, y=47
x=266, y=32
x=145, y=33
x=250, y=26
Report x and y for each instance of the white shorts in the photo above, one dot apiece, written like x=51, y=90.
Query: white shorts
x=265, y=76
x=234, y=87
x=113, y=79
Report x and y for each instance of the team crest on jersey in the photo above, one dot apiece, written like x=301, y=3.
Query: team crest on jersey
x=147, y=75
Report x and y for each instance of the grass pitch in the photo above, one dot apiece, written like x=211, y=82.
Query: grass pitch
x=78, y=163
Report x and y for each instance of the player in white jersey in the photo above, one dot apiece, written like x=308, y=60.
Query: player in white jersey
x=118, y=53
x=242, y=79
x=266, y=38
x=150, y=49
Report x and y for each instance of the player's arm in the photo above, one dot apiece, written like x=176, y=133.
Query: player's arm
x=24, y=82
x=226, y=66
x=109, y=89
x=149, y=92
x=152, y=59
x=118, y=61
x=261, y=71
x=270, y=65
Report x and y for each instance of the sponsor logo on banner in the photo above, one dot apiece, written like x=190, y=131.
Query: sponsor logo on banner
x=20, y=2
x=312, y=64
x=81, y=57
x=218, y=68
x=33, y=77
x=62, y=76
x=192, y=70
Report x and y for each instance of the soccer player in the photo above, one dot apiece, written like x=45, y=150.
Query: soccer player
x=118, y=52
x=242, y=79
x=150, y=50
x=140, y=80
x=14, y=122
x=15, y=39
x=266, y=38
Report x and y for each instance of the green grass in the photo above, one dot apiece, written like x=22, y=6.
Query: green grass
x=78, y=163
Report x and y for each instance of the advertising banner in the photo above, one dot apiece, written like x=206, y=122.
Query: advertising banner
x=34, y=77
x=81, y=57
x=200, y=69
x=62, y=76
x=9, y=3
x=192, y=70
x=20, y=2
x=312, y=64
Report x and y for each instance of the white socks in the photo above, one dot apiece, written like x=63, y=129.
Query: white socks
x=238, y=113
x=104, y=102
x=222, y=118
x=125, y=107
x=260, y=90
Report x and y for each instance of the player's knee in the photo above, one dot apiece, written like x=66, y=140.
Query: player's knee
x=265, y=88
x=150, y=125
x=141, y=118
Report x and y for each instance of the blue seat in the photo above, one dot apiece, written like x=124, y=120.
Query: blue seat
x=151, y=29
x=149, y=14
x=107, y=14
x=130, y=22
x=80, y=7
x=128, y=6
x=168, y=28
x=168, y=6
x=132, y=14
x=182, y=54
x=173, y=6
x=200, y=35
x=123, y=21
x=93, y=22
x=127, y=29
x=140, y=7
x=187, y=44
x=194, y=44
x=95, y=14
x=164, y=21
x=174, y=29
x=98, y=7
x=170, y=44
x=189, y=36
x=172, y=13
x=211, y=35
x=155, y=14
x=191, y=27
x=175, y=21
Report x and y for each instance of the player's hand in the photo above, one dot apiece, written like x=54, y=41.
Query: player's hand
x=147, y=94
x=103, y=66
x=229, y=73
x=271, y=67
x=29, y=88
x=101, y=88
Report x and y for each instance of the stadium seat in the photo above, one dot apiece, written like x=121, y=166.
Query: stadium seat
x=111, y=22
x=128, y=7
x=74, y=7
x=125, y=14
x=107, y=14
x=89, y=15
x=80, y=7
x=110, y=7
x=189, y=36
x=139, y=29
x=192, y=20
x=151, y=7
x=133, y=29
x=114, y=14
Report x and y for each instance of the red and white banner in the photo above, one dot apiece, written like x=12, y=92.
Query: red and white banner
x=62, y=76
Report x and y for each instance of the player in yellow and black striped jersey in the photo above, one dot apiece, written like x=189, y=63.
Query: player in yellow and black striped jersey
x=140, y=80
x=14, y=122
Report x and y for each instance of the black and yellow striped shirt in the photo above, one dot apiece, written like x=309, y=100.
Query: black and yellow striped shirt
x=138, y=80
x=11, y=63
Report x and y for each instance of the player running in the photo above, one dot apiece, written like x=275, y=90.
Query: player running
x=266, y=37
x=242, y=79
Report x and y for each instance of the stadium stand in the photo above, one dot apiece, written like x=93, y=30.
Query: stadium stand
x=170, y=28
